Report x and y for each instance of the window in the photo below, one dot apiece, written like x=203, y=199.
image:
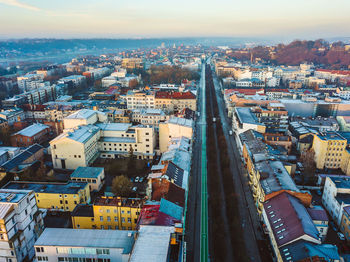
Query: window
x=108, y=211
x=101, y=218
x=129, y=220
x=108, y=218
x=115, y=219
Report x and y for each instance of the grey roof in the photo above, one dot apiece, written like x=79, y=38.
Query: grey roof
x=81, y=134
x=82, y=114
x=66, y=237
x=43, y=187
x=118, y=139
x=181, y=121
x=21, y=157
x=341, y=182
x=32, y=130
x=152, y=244
x=87, y=172
x=114, y=126
x=245, y=115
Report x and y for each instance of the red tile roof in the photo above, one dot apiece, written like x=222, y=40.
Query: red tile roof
x=162, y=188
x=338, y=72
x=175, y=95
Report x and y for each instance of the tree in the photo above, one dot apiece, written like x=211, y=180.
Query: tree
x=308, y=160
x=121, y=186
x=133, y=83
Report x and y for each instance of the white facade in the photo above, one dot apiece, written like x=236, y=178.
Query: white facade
x=13, y=115
x=84, y=245
x=137, y=100
x=332, y=189
x=83, y=117
x=21, y=224
x=148, y=116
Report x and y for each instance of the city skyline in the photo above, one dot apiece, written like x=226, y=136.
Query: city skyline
x=121, y=19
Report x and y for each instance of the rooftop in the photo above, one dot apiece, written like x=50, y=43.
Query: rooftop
x=289, y=219
x=66, y=237
x=123, y=127
x=181, y=121
x=245, y=115
x=51, y=188
x=340, y=182
x=82, y=114
x=82, y=210
x=118, y=201
x=87, y=172
x=159, y=236
x=32, y=130
x=80, y=134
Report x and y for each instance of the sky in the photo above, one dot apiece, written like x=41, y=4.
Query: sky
x=169, y=18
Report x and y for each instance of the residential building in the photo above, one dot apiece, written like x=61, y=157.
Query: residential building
x=148, y=116
x=244, y=119
x=329, y=150
x=175, y=101
x=33, y=134
x=12, y=115
x=65, y=244
x=287, y=220
x=174, y=128
x=345, y=223
x=76, y=80
x=132, y=63
x=320, y=218
x=21, y=224
x=95, y=176
x=7, y=153
x=55, y=196
x=29, y=81
x=108, y=213
x=140, y=99
x=336, y=196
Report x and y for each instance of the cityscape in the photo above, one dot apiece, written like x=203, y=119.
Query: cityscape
x=150, y=132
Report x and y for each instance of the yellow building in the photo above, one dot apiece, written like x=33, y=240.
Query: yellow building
x=56, y=196
x=345, y=223
x=329, y=150
x=108, y=213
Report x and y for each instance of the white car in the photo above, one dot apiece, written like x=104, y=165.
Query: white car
x=134, y=188
x=137, y=179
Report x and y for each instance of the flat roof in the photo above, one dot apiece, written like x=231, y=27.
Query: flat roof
x=152, y=244
x=32, y=130
x=87, y=172
x=245, y=115
x=67, y=237
x=51, y=188
x=80, y=134
x=114, y=126
x=181, y=121
x=340, y=182
x=82, y=114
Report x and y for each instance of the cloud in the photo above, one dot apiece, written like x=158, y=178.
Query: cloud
x=19, y=4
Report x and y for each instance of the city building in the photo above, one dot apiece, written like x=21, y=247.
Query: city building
x=55, y=196
x=345, y=222
x=12, y=115
x=83, y=117
x=329, y=150
x=148, y=116
x=174, y=128
x=140, y=99
x=21, y=224
x=108, y=213
x=175, y=101
x=33, y=134
x=65, y=244
x=75, y=148
x=95, y=176
x=336, y=196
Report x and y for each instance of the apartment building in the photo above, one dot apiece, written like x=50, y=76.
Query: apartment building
x=29, y=81
x=55, y=196
x=83, y=117
x=175, y=127
x=132, y=63
x=336, y=196
x=76, y=80
x=108, y=213
x=148, y=116
x=140, y=99
x=12, y=115
x=175, y=101
x=329, y=150
x=119, y=139
x=84, y=245
x=21, y=224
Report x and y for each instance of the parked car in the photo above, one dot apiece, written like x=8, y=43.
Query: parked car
x=137, y=179
x=132, y=179
x=134, y=188
x=341, y=236
x=318, y=192
x=230, y=132
x=141, y=179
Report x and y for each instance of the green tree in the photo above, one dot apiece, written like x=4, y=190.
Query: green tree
x=121, y=186
x=308, y=160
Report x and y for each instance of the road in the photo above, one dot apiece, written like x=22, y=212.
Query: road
x=247, y=211
x=196, y=240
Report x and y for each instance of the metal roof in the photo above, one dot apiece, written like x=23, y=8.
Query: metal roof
x=87, y=172
x=152, y=244
x=32, y=130
x=66, y=237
